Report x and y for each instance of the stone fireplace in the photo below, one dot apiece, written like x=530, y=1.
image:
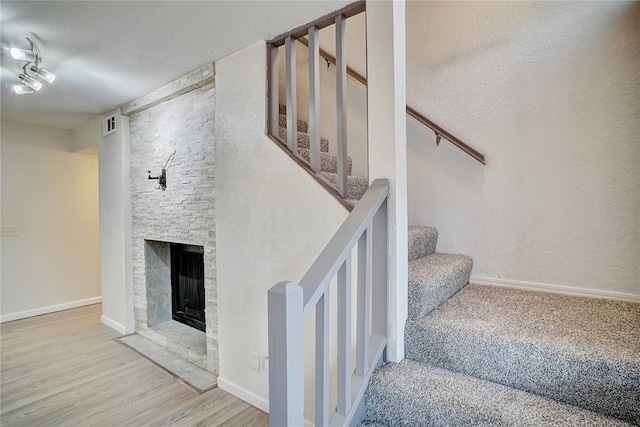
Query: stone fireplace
x=173, y=228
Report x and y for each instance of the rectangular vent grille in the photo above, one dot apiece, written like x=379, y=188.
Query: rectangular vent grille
x=109, y=125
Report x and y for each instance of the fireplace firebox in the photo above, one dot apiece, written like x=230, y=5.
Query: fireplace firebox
x=187, y=285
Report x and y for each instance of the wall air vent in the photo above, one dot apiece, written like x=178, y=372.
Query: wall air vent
x=109, y=125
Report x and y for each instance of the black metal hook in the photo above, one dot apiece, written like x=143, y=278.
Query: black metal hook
x=162, y=179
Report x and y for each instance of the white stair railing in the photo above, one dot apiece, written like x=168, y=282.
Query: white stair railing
x=312, y=40
x=290, y=304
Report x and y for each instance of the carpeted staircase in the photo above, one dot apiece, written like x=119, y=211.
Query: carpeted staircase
x=356, y=185
x=487, y=356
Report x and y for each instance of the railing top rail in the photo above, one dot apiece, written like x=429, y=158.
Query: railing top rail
x=317, y=278
x=329, y=19
x=437, y=129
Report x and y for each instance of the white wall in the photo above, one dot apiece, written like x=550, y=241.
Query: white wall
x=115, y=219
x=549, y=92
x=272, y=220
x=50, y=195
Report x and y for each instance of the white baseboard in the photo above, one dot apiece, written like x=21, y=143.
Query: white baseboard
x=555, y=289
x=49, y=309
x=244, y=394
x=119, y=327
x=249, y=397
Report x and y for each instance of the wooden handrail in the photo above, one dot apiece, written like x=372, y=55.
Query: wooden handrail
x=442, y=132
x=437, y=129
x=329, y=19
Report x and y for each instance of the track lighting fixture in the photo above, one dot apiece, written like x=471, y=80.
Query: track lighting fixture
x=33, y=58
x=30, y=81
x=22, y=89
x=43, y=73
x=23, y=54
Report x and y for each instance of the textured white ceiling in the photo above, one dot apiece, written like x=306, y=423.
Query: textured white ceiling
x=108, y=53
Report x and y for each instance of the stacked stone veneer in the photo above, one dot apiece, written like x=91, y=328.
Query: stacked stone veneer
x=184, y=212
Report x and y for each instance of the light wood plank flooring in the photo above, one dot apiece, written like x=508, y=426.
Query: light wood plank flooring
x=64, y=369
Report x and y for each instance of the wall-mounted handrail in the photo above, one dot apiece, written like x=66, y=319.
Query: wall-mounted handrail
x=437, y=129
x=290, y=303
x=442, y=132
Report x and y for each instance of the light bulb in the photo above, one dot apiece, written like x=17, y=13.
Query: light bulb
x=22, y=89
x=31, y=82
x=22, y=54
x=44, y=74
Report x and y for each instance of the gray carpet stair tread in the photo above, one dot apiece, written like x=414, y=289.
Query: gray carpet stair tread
x=580, y=351
x=303, y=140
x=328, y=163
x=422, y=241
x=303, y=126
x=433, y=279
x=356, y=185
x=412, y=394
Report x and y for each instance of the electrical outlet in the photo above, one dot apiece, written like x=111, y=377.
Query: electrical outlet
x=255, y=362
x=9, y=231
x=265, y=363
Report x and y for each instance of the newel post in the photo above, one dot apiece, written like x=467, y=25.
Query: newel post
x=286, y=369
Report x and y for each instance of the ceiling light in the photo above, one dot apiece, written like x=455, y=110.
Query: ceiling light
x=23, y=54
x=30, y=81
x=33, y=59
x=43, y=73
x=22, y=89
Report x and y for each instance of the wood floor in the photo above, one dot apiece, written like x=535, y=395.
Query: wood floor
x=64, y=369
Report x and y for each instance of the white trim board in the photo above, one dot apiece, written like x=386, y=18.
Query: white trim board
x=49, y=309
x=249, y=397
x=118, y=327
x=244, y=394
x=555, y=289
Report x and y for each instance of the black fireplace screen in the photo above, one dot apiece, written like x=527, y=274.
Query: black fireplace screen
x=187, y=285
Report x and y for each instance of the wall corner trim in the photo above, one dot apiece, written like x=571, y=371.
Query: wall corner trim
x=244, y=394
x=49, y=309
x=191, y=81
x=118, y=327
x=555, y=289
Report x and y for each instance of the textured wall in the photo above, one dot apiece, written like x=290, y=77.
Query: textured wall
x=184, y=212
x=115, y=219
x=272, y=217
x=550, y=92
x=50, y=195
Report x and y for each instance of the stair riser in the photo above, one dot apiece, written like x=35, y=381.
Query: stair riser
x=328, y=163
x=356, y=186
x=302, y=125
x=304, y=142
x=422, y=241
x=595, y=385
x=428, y=288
